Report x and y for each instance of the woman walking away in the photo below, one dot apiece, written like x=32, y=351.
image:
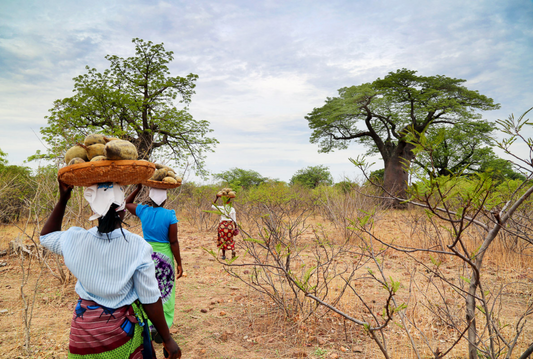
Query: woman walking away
x=116, y=280
x=227, y=227
x=160, y=230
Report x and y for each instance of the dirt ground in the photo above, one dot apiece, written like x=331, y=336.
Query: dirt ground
x=217, y=316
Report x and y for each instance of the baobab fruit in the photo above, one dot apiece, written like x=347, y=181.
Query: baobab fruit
x=159, y=174
x=159, y=166
x=171, y=174
x=75, y=161
x=109, y=139
x=120, y=150
x=76, y=151
x=98, y=158
x=95, y=150
x=94, y=139
x=170, y=180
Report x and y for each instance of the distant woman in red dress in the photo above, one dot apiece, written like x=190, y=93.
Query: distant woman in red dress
x=227, y=227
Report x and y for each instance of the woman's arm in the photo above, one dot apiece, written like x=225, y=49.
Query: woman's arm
x=175, y=248
x=132, y=207
x=53, y=224
x=157, y=317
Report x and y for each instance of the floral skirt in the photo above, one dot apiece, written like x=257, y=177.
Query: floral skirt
x=98, y=332
x=225, y=235
x=165, y=274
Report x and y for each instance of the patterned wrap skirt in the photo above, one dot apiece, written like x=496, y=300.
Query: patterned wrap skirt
x=98, y=332
x=225, y=235
x=165, y=274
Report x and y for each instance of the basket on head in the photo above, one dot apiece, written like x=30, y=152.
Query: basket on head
x=123, y=172
x=160, y=184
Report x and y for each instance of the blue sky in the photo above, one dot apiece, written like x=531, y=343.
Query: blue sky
x=262, y=65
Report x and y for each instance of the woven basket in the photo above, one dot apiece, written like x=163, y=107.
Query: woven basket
x=123, y=172
x=160, y=184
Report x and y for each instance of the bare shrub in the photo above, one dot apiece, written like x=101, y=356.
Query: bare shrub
x=194, y=201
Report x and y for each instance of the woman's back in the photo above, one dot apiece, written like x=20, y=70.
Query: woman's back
x=155, y=222
x=113, y=271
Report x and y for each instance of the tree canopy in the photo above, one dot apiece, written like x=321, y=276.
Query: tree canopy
x=238, y=177
x=383, y=114
x=312, y=176
x=464, y=147
x=134, y=99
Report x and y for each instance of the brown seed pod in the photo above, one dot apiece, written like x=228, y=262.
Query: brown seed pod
x=159, y=174
x=98, y=158
x=109, y=139
x=75, y=161
x=76, y=151
x=120, y=150
x=170, y=180
x=93, y=139
x=95, y=150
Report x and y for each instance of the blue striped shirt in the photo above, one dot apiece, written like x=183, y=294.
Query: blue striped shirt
x=113, y=272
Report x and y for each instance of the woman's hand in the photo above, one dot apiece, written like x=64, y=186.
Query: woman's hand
x=172, y=348
x=53, y=223
x=65, y=191
x=179, y=271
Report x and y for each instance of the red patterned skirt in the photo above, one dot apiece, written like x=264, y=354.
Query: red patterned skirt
x=98, y=332
x=225, y=235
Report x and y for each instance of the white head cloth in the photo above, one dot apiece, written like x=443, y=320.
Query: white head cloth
x=158, y=195
x=102, y=195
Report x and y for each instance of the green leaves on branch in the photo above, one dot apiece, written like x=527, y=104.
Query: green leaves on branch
x=134, y=99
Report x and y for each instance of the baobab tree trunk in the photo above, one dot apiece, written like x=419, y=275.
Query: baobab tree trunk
x=396, y=177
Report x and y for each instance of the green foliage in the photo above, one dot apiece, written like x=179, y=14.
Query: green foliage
x=377, y=176
x=389, y=107
x=237, y=177
x=3, y=159
x=312, y=177
x=501, y=170
x=133, y=100
x=463, y=147
x=270, y=193
x=382, y=114
x=15, y=187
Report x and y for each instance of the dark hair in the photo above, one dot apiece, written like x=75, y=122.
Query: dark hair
x=110, y=221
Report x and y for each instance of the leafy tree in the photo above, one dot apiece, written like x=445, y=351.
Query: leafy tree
x=501, y=169
x=237, y=177
x=462, y=148
x=383, y=114
x=134, y=100
x=15, y=185
x=312, y=176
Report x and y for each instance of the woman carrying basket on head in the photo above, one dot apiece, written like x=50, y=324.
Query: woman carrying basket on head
x=160, y=230
x=227, y=226
x=116, y=280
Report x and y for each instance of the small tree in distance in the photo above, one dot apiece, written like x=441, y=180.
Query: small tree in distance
x=238, y=177
x=312, y=176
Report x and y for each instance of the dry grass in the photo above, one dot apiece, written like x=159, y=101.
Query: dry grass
x=239, y=323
